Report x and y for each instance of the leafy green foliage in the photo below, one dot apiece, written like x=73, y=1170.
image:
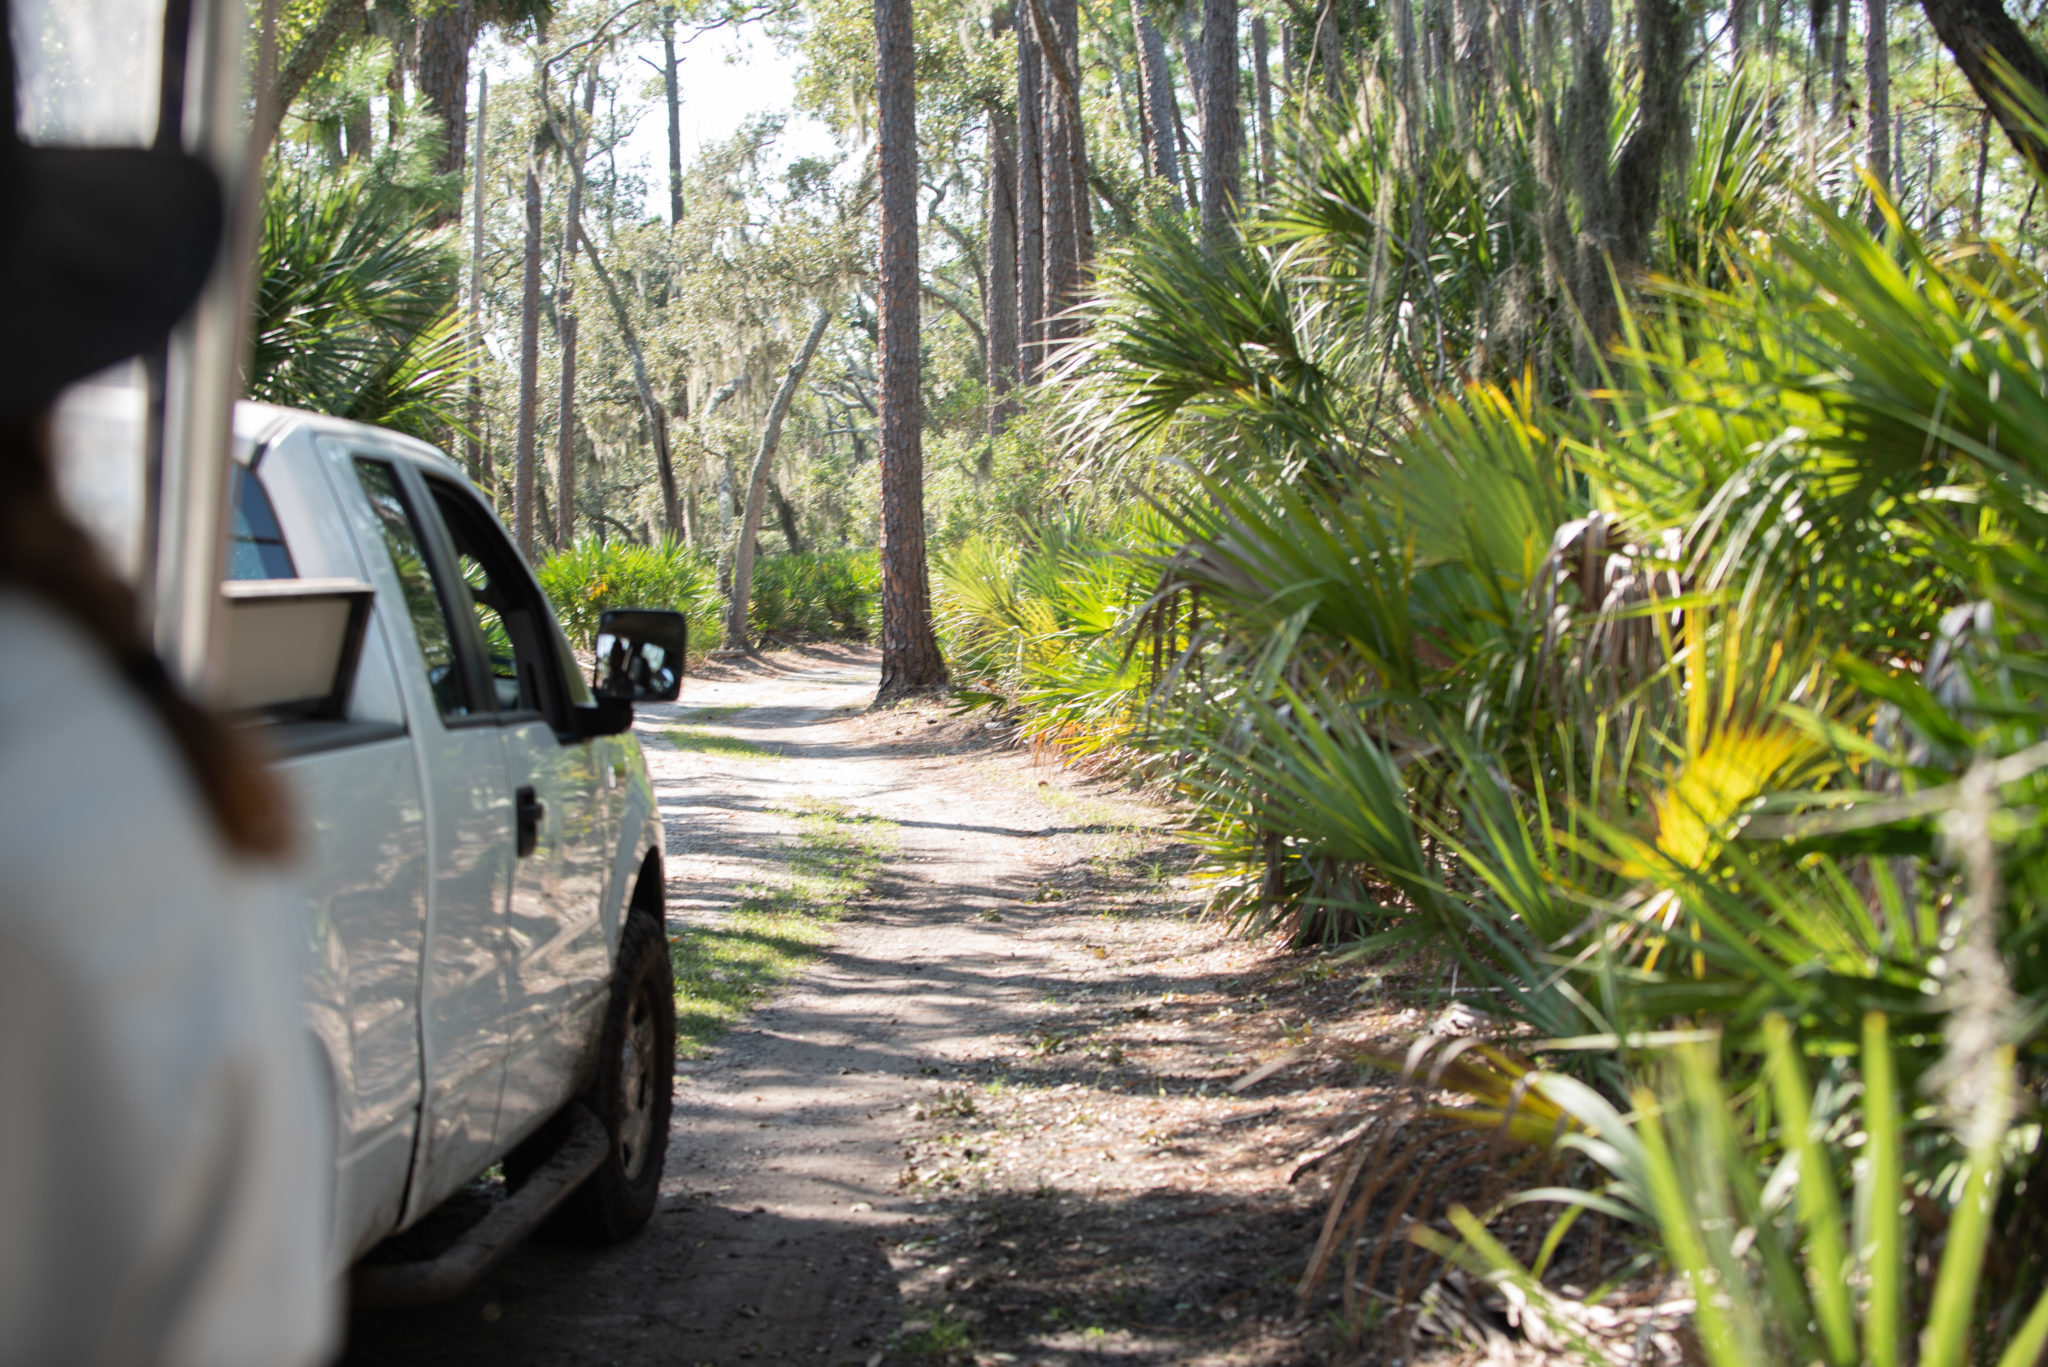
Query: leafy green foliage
x=592, y=576
x=355, y=307
x=1042, y=627
x=818, y=593
x=1711, y=696
x=1792, y=1256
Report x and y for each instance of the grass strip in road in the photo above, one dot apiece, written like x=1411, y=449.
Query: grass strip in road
x=696, y=738
x=780, y=926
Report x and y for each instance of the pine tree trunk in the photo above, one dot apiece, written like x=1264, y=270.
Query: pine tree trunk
x=1329, y=51
x=357, y=131
x=1588, y=119
x=1738, y=28
x=565, y=312
x=1662, y=31
x=736, y=634
x=1877, y=75
x=999, y=294
x=1838, y=64
x=529, y=374
x=910, y=652
x=1063, y=164
x=475, y=443
x=1067, y=14
x=1186, y=153
x=1030, y=203
x=394, y=78
x=1062, y=260
x=1198, y=90
x=1983, y=159
x=442, y=38
x=1508, y=71
x=1471, y=52
x=1819, y=17
x=1222, y=125
x=1974, y=30
x=1155, y=80
x=672, y=93
x=1262, y=85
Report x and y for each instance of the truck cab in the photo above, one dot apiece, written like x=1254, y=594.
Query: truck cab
x=482, y=833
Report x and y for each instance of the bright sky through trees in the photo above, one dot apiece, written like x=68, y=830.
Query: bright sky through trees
x=729, y=77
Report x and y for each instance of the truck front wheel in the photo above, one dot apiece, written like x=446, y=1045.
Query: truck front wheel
x=634, y=1091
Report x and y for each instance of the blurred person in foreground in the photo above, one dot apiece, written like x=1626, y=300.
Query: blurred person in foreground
x=165, y=1154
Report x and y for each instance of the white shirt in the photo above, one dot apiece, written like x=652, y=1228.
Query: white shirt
x=165, y=1153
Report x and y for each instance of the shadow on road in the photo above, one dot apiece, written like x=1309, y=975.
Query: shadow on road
x=704, y=1284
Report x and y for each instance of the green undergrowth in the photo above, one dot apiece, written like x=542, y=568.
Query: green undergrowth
x=779, y=926
x=941, y=1337
x=701, y=741
x=592, y=576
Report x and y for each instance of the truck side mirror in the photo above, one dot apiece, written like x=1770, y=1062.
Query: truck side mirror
x=640, y=653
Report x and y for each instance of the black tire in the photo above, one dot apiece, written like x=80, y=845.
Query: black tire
x=634, y=1091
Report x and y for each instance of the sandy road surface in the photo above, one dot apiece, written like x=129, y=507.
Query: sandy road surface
x=781, y=1200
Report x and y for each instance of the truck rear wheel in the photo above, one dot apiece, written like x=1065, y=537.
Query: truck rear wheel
x=634, y=1091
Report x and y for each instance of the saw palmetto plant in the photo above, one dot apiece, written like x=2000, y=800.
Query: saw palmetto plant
x=1041, y=628
x=1694, y=699
x=592, y=576
x=355, y=307
x=1790, y=1254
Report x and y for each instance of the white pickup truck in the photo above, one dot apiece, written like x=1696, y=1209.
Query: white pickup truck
x=490, y=976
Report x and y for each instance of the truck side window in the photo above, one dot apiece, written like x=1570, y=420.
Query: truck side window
x=424, y=602
x=509, y=612
x=256, y=548
x=500, y=655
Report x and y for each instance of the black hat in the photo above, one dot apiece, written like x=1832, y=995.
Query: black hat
x=101, y=252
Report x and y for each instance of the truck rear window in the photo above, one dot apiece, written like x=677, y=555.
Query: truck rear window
x=256, y=548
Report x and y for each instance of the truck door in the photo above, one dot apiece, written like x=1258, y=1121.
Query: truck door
x=358, y=789
x=465, y=1010
x=558, y=944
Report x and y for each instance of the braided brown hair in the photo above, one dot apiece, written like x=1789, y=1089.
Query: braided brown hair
x=45, y=554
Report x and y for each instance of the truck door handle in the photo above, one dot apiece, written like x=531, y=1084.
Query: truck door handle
x=531, y=809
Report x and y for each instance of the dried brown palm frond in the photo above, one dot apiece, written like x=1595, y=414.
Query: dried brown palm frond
x=1599, y=593
x=1427, y=1155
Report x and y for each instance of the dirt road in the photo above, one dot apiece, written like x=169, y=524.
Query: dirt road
x=890, y=1160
